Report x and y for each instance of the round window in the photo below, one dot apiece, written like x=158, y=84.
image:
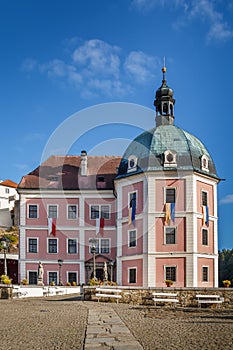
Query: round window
x=170, y=157
x=131, y=163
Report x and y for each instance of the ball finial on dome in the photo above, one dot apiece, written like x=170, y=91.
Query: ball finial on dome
x=164, y=69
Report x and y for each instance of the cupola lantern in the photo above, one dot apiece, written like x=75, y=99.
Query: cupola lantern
x=164, y=103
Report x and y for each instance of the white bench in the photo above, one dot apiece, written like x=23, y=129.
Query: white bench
x=18, y=292
x=165, y=298
x=102, y=292
x=209, y=299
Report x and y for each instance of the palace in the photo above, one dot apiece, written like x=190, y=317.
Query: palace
x=148, y=216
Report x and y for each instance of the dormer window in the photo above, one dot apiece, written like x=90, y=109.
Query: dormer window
x=132, y=163
x=205, y=163
x=170, y=159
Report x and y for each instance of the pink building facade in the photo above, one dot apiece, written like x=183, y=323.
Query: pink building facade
x=152, y=213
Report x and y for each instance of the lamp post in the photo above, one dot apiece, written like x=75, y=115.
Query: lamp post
x=60, y=262
x=111, y=263
x=93, y=251
x=5, y=245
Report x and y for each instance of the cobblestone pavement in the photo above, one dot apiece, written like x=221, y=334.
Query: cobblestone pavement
x=65, y=322
x=183, y=329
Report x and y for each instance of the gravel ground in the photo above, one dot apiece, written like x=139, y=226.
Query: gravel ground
x=60, y=322
x=183, y=329
x=41, y=324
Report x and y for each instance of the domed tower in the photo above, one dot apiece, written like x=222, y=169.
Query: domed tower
x=167, y=206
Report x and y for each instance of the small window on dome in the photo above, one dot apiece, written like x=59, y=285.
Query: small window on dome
x=170, y=159
x=132, y=164
x=205, y=163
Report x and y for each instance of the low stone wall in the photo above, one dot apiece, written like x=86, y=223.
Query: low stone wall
x=186, y=296
x=5, y=291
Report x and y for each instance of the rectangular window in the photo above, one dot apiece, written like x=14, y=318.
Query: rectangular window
x=132, y=199
x=204, y=198
x=72, y=277
x=132, y=275
x=52, y=211
x=32, y=277
x=105, y=212
x=94, y=212
x=170, y=235
x=170, y=195
x=72, y=212
x=7, y=190
x=102, y=246
x=105, y=248
x=205, y=273
x=52, y=245
x=53, y=277
x=170, y=273
x=32, y=211
x=96, y=245
x=100, y=211
x=32, y=245
x=72, y=246
x=204, y=236
x=132, y=239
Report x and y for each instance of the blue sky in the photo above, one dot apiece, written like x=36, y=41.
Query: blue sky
x=62, y=57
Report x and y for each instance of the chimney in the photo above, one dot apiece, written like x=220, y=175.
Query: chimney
x=83, y=163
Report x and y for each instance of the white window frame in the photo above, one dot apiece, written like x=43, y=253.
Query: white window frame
x=208, y=273
x=99, y=240
x=36, y=205
x=52, y=205
x=204, y=245
x=165, y=229
x=167, y=163
x=67, y=211
x=204, y=159
x=48, y=245
x=99, y=208
x=28, y=272
x=133, y=168
x=129, y=193
x=165, y=275
x=67, y=275
x=37, y=242
x=207, y=195
x=52, y=272
x=135, y=230
x=132, y=268
x=165, y=192
x=67, y=245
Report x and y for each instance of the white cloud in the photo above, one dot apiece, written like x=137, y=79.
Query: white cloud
x=98, y=56
x=227, y=200
x=204, y=10
x=139, y=66
x=97, y=68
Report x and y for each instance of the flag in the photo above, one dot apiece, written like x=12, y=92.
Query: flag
x=99, y=225
x=132, y=210
x=173, y=212
x=205, y=211
x=52, y=226
x=168, y=213
x=130, y=216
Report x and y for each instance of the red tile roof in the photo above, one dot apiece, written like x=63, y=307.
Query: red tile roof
x=9, y=183
x=63, y=172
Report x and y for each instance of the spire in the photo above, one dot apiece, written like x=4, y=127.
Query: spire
x=164, y=102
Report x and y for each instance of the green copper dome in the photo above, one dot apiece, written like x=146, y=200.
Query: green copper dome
x=149, y=150
x=166, y=147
